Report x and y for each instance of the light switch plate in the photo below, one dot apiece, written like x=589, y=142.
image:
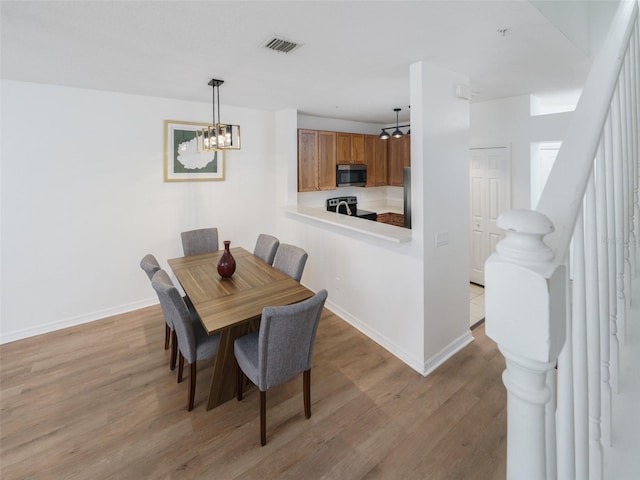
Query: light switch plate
x=442, y=238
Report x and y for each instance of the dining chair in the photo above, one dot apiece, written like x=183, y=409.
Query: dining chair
x=150, y=265
x=279, y=351
x=203, y=240
x=266, y=247
x=193, y=341
x=290, y=260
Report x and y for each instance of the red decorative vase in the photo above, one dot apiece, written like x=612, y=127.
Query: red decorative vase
x=227, y=264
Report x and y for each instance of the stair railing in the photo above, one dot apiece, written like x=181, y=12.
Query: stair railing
x=557, y=288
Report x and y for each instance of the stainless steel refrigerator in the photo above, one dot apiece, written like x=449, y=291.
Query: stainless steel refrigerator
x=406, y=177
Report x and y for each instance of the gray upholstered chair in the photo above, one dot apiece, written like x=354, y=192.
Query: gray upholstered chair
x=266, y=247
x=150, y=265
x=195, y=242
x=279, y=351
x=290, y=260
x=193, y=342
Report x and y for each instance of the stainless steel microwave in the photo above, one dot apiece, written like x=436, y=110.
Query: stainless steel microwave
x=351, y=175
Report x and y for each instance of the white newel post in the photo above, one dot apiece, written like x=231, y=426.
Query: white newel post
x=525, y=315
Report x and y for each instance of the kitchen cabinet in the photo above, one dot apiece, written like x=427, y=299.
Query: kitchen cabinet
x=357, y=148
x=307, y=160
x=343, y=147
x=316, y=160
x=380, y=162
x=319, y=152
x=326, y=160
x=375, y=157
x=399, y=156
x=396, y=219
x=350, y=148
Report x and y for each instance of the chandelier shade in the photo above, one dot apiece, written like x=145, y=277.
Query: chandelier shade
x=218, y=136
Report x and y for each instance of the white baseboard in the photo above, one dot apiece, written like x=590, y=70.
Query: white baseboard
x=6, y=337
x=422, y=367
x=377, y=337
x=446, y=353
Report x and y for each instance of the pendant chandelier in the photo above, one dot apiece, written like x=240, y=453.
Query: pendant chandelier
x=218, y=136
x=384, y=135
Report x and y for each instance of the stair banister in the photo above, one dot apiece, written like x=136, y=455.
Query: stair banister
x=562, y=195
x=527, y=292
x=532, y=310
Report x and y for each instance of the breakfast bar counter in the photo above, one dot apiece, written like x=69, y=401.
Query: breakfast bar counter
x=365, y=227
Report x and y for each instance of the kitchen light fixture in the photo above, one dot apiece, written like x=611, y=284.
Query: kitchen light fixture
x=397, y=133
x=218, y=136
x=384, y=135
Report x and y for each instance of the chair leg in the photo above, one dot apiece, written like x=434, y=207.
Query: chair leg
x=306, y=386
x=180, y=367
x=239, y=382
x=174, y=350
x=192, y=386
x=167, y=336
x=263, y=418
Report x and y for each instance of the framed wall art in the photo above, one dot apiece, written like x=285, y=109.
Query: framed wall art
x=184, y=161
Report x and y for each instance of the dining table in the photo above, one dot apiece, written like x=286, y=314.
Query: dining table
x=232, y=306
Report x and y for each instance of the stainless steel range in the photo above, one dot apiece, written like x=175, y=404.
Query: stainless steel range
x=349, y=206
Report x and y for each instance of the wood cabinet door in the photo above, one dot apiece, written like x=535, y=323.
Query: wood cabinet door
x=369, y=158
x=395, y=160
x=326, y=160
x=307, y=160
x=399, y=157
x=380, y=162
x=343, y=142
x=357, y=148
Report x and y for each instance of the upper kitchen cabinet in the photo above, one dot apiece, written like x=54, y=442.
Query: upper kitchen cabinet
x=375, y=155
x=399, y=157
x=326, y=160
x=316, y=160
x=350, y=148
x=357, y=148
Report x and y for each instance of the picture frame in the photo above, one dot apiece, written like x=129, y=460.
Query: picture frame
x=183, y=162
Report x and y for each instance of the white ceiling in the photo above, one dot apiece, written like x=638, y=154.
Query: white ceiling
x=354, y=62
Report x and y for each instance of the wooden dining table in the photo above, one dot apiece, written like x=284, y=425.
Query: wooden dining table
x=232, y=306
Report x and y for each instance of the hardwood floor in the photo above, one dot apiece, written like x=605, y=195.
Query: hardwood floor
x=98, y=401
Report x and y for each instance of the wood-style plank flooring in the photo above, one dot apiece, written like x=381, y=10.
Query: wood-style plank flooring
x=98, y=401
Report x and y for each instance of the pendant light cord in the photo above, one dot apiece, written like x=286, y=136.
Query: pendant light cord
x=218, y=103
x=214, y=104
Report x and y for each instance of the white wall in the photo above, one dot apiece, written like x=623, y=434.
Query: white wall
x=417, y=307
x=373, y=284
x=440, y=159
x=585, y=23
x=83, y=199
x=507, y=121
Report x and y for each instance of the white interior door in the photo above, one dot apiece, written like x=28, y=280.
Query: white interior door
x=490, y=196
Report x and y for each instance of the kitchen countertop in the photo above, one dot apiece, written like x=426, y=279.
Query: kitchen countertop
x=382, y=207
x=366, y=227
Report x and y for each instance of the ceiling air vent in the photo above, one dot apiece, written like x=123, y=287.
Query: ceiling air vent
x=280, y=45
